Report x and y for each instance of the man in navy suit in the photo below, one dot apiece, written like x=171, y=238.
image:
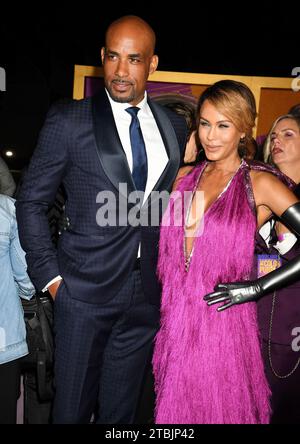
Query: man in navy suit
x=103, y=274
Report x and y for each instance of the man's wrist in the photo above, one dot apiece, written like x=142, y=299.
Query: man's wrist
x=56, y=279
x=54, y=287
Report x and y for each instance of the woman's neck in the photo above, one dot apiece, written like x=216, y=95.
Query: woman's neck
x=292, y=171
x=225, y=166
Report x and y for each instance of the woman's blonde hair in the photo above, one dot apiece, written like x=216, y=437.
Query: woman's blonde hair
x=267, y=145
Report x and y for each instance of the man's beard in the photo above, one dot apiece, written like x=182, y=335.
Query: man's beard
x=122, y=99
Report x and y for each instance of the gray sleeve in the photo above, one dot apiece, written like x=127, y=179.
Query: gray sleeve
x=7, y=183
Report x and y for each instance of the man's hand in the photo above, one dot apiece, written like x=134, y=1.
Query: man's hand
x=234, y=293
x=53, y=288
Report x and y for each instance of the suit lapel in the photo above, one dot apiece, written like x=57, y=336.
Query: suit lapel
x=110, y=151
x=171, y=143
x=109, y=148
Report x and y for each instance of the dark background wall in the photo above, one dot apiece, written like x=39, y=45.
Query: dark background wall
x=39, y=49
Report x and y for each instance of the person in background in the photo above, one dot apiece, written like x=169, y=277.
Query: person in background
x=7, y=183
x=279, y=311
x=261, y=139
x=184, y=106
x=14, y=283
x=37, y=410
x=102, y=277
x=251, y=152
x=208, y=365
x=295, y=110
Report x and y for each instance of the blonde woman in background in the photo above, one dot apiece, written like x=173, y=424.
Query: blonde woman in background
x=279, y=312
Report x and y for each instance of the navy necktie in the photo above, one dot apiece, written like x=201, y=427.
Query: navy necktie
x=139, y=155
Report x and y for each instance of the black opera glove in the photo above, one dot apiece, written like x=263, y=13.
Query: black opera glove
x=240, y=292
x=234, y=293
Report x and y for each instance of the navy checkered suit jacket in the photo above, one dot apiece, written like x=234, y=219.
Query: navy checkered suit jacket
x=79, y=147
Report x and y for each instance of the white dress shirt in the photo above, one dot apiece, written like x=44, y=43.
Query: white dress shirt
x=156, y=153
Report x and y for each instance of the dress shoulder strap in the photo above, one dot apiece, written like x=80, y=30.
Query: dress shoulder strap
x=261, y=166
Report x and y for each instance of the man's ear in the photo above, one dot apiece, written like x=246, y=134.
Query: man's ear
x=153, y=64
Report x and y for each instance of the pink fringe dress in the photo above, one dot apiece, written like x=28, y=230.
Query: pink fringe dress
x=207, y=365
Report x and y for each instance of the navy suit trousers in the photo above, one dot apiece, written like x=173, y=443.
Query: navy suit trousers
x=102, y=352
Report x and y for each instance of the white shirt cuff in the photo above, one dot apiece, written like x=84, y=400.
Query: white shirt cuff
x=57, y=278
x=289, y=240
x=283, y=246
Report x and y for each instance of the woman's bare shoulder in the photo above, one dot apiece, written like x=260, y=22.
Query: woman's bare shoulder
x=265, y=178
x=271, y=192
